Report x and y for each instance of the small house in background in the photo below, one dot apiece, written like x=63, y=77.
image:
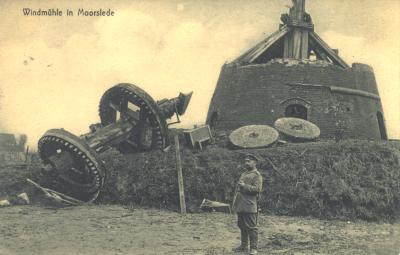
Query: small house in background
x=294, y=73
x=12, y=148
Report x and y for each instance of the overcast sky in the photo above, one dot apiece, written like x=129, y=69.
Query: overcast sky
x=53, y=70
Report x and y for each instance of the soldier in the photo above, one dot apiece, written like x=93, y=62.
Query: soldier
x=245, y=204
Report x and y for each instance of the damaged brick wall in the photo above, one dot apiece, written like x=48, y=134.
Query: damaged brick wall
x=344, y=103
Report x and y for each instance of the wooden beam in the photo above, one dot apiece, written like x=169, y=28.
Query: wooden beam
x=296, y=43
x=180, y=176
x=289, y=38
x=286, y=46
x=264, y=44
x=318, y=51
x=304, y=45
x=300, y=4
x=264, y=47
x=328, y=51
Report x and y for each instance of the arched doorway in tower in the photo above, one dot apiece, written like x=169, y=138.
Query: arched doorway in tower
x=381, y=123
x=296, y=111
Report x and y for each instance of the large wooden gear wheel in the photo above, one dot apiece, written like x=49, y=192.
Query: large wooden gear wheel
x=77, y=170
x=118, y=99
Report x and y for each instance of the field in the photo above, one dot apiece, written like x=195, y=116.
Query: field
x=112, y=229
x=319, y=198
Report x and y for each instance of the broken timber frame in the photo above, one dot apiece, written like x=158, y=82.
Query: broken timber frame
x=295, y=39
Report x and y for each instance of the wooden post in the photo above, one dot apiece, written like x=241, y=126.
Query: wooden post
x=304, y=45
x=286, y=46
x=27, y=153
x=180, y=177
x=296, y=42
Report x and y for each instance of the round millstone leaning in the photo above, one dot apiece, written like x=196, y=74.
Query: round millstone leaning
x=254, y=136
x=297, y=129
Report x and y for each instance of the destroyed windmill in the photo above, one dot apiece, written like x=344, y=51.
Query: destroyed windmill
x=131, y=121
x=294, y=73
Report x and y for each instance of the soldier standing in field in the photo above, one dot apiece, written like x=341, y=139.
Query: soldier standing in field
x=245, y=204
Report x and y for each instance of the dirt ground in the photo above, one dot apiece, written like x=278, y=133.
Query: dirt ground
x=110, y=229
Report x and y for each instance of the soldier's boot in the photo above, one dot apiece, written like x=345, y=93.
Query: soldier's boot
x=253, y=252
x=253, y=236
x=244, y=242
x=241, y=248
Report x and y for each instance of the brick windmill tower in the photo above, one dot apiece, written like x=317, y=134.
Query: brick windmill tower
x=294, y=73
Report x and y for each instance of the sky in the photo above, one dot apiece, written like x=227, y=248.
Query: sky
x=54, y=70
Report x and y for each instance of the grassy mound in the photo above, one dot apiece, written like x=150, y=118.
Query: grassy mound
x=349, y=179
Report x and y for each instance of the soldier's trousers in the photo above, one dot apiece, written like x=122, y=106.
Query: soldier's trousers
x=247, y=222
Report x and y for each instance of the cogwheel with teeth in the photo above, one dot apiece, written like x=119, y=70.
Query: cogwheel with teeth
x=130, y=121
x=78, y=171
x=122, y=97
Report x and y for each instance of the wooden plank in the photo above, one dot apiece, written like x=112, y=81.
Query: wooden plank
x=286, y=47
x=60, y=197
x=299, y=8
x=290, y=40
x=254, y=55
x=328, y=51
x=180, y=176
x=267, y=44
x=244, y=57
x=304, y=45
x=318, y=52
x=296, y=43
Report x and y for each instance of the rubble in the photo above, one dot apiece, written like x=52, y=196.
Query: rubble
x=209, y=205
x=4, y=202
x=20, y=199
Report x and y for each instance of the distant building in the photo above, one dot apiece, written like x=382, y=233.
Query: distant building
x=12, y=148
x=294, y=73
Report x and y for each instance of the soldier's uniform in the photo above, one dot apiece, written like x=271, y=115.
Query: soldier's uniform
x=245, y=205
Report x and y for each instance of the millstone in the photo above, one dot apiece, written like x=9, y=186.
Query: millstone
x=297, y=129
x=254, y=136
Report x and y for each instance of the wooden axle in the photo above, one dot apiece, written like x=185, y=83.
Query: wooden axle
x=110, y=135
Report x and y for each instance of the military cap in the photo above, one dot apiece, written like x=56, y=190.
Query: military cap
x=251, y=156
